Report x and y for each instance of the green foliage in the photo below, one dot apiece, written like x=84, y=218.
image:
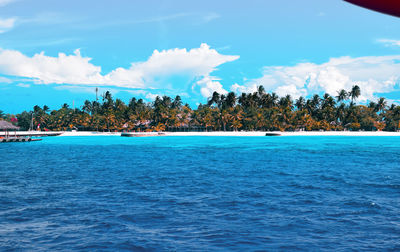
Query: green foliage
x=249, y=111
x=24, y=120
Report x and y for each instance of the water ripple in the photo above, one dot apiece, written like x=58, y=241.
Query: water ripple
x=201, y=194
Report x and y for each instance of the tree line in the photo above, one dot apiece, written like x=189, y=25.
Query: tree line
x=223, y=112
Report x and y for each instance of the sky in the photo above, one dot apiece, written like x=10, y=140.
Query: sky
x=56, y=52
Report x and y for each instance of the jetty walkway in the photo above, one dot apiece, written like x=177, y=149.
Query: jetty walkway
x=31, y=133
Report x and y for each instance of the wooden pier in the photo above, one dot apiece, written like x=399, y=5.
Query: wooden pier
x=18, y=139
x=31, y=133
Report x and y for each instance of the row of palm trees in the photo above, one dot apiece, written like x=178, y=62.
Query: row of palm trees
x=222, y=112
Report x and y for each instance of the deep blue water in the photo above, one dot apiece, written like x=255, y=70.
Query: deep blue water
x=201, y=194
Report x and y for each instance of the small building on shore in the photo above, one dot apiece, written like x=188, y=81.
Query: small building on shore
x=6, y=126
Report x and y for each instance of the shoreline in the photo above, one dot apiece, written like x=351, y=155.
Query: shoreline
x=283, y=134
x=222, y=133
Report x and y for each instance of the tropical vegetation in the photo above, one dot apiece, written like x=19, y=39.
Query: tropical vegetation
x=223, y=112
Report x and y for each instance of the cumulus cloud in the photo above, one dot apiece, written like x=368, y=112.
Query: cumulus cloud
x=71, y=69
x=6, y=24
x=195, y=65
x=5, y=2
x=249, y=88
x=209, y=85
x=373, y=74
x=389, y=42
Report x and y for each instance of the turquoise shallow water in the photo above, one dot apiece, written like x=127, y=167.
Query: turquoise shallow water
x=201, y=193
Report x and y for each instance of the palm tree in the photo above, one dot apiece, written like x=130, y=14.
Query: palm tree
x=132, y=104
x=222, y=101
x=177, y=103
x=342, y=95
x=95, y=107
x=285, y=102
x=261, y=90
x=231, y=100
x=328, y=101
x=214, y=99
x=243, y=100
x=341, y=113
x=274, y=99
x=315, y=102
x=237, y=117
x=225, y=118
x=372, y=105
x=46, y=108
x=87, y=107
x=260, y=95
x=289, y=101
x=355, y=92
x=300, y=103
x=109, y=118
x=254, y=111
x=395, y=113
x=381, y=104
x=120, y=111
x=166, y=101
x=108, y=101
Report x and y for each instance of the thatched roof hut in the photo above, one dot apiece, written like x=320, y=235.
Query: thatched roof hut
x=4, y=125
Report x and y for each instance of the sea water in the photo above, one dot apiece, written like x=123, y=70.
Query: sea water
x=200, y=194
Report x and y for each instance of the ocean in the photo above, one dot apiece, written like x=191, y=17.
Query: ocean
x=108, y=193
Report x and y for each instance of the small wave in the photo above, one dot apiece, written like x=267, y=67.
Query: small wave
x=389, y=186
x=361, y=204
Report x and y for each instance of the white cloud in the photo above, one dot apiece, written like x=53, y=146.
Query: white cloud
x=195, y=65
x=6, y=24
x=250, y=88
x=372, y=74
x=5, y=2
x=389, y=42
x=198, y=62
x=5, y=80
x=210, y=17
x=71, y=69
x=151, y=96
x=143, y=93
x=291, y=90
x=23, y=85
x=210, y=84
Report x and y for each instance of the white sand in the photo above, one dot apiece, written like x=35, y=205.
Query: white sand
x=249, y=133
x=222, y=133
x=90, y=133
x=63, y=133
x=299, y=133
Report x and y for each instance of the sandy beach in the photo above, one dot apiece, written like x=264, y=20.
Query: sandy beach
x=220, y=133
x=300, y=133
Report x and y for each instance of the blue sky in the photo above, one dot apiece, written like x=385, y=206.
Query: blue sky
x=58, y=51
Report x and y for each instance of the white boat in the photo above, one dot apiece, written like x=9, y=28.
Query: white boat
x=141, y=134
